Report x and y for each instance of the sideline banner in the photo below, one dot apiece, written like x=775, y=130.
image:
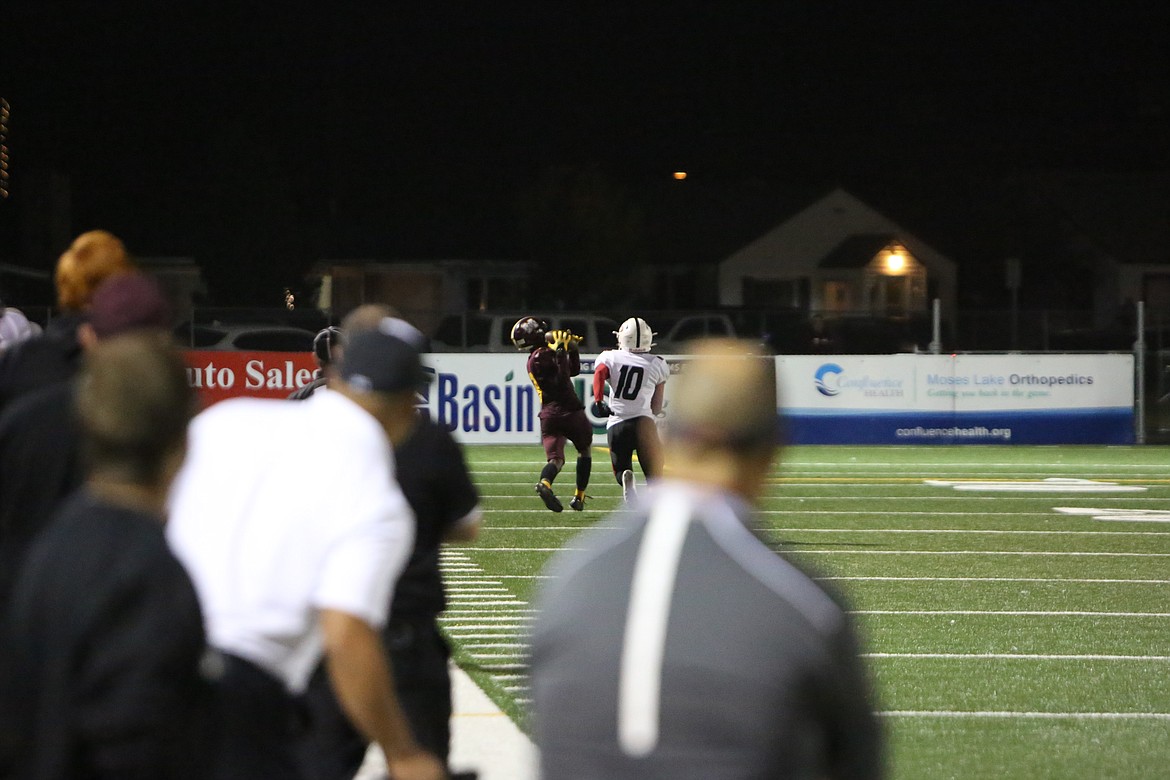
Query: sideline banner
x=825, y=399
x=220, y=374
x=960, y=399
x=489, y=398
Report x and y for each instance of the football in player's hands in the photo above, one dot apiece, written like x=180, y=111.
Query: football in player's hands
x=600, y=409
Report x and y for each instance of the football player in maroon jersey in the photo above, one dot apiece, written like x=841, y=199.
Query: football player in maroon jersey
x=553, y=361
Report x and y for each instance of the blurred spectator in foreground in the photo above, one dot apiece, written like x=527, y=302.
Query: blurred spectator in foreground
x=15, y=327
x=102, y=646
x=673, y=643
x=434, y=477
x=294, y=531
x=39, y=439
x=55, y=354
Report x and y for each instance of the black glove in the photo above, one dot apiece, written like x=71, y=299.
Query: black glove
x=600, y=409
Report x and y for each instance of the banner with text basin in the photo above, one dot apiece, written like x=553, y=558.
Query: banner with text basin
x=957, y=399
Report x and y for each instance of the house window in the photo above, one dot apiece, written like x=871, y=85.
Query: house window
x=837, y=296
x=895, y=283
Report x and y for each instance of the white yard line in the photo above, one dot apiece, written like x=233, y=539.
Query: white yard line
x=927, y=531
x=1095, y=580
x=977, y=552
x=1007, y=613
x=1025, y=715
x=884, y=552
x=1016, y=657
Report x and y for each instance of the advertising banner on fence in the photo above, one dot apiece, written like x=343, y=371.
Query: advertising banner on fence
x=960, y=399
x=220, y=374
x=826, y=399
x=484, y=398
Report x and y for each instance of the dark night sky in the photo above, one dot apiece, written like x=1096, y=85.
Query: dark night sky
x=262, y=136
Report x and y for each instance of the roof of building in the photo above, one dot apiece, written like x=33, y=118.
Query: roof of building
x=857, y=251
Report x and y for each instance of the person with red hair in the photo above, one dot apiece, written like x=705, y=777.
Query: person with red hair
x=55, y=355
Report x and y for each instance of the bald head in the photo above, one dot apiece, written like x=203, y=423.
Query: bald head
x=723, y=424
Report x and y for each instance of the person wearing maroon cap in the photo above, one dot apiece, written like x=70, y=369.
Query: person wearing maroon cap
x=39, y=461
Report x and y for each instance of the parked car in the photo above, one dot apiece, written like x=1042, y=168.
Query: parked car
x=674, y=334
x=251, y=338
x=492, y=332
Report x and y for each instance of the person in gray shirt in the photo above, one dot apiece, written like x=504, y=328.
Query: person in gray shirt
x=671, y=642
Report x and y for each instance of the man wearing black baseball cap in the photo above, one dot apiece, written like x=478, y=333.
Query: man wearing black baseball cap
x=296, y=559
x=433, y=475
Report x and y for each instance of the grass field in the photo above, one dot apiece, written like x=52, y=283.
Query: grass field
x=1005, y=639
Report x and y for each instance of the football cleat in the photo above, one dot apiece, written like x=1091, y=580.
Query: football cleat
x=629, y=492
x=577, y=503
x=634, y=335
x=528, y=333
x=545, y=491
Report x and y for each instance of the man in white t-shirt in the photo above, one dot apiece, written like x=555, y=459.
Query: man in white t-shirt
x=637, y=382
x=294, y=532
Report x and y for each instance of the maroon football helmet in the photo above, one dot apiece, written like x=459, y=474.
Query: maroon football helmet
x=528, y=333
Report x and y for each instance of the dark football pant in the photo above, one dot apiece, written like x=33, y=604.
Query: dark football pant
x=332, y=749
x=258, y=725
x=555, y=428
x=640, y=435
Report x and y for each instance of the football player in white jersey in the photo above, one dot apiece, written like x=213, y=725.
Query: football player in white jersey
x=637, y=381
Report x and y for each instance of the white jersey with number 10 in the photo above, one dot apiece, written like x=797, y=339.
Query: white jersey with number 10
x=632, y=379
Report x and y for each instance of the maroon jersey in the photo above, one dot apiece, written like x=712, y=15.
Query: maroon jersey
x=552, y=373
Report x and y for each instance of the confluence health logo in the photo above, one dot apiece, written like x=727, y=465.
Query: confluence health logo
x=828, y=379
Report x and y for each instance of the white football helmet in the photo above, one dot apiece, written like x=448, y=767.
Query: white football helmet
x=635, y=335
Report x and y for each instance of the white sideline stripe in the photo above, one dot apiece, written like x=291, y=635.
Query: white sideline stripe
x=998, y=579
x=1009, y=613
x=1017, y=657
x=1036, y=715
x=644, y=643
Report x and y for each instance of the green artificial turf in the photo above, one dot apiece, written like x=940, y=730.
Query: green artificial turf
x=1004, y=640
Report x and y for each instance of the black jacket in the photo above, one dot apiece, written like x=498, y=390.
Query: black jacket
x=100, y=654
x=42, y=360
x=39, y=467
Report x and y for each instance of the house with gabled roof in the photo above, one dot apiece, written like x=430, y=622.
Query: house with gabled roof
x=839, y=257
